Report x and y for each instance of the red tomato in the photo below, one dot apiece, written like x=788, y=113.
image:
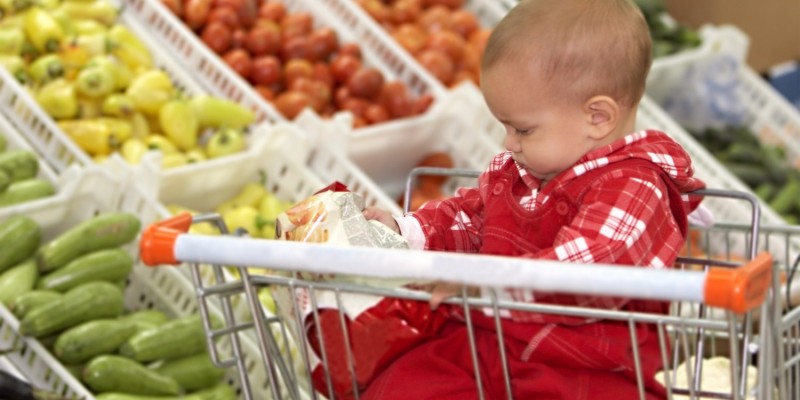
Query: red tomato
x=322, y=73
x=240, y=61
x=365, y=83
x=235, y=4
x=359, y=122
x=396, y=99
x=376, y=9
x=291, y=103
x=478, y=40
x=297, y=68
x=323, y=43
x=265, y=92
x=438, y=64
x=296, y=24
x=448, y=43
x=376, y=113
x=175, y=6
x=421, y=104
x=196, y=12
x=464, y=22
x=217, y=37
x=451, y=4
x=411, y=36
x=405, y=11
x=297, y=47
x=226, y=15
x=342, y=66
x=267, y=70
x=239, y=38
x=435, y=19
x=262, y=40
x=351, y=49
x=471, y=61
x=356, y=106
x=272, y=10
x=318, y=93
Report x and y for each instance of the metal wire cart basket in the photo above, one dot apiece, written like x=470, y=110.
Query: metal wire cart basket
x=726, y=335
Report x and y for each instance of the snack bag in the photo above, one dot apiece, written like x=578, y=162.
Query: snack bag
x=378, y=329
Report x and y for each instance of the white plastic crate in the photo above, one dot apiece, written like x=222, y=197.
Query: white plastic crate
x=41, y=130
x=456, y=124
x=221, y=80
x=165, y=288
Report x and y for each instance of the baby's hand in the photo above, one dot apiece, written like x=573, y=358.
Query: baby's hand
x=382, y=216
x=441, y=291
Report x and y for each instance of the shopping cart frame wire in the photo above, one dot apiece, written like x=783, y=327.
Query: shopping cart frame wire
x=739, y=290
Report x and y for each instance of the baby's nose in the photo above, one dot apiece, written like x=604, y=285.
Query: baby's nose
x=511, y=143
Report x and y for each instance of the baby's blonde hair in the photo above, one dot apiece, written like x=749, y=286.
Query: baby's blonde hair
x=583, y=48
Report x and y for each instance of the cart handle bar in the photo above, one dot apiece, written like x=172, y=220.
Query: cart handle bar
x=737, y=289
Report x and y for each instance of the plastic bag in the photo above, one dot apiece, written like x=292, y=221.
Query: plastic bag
x=378, y=329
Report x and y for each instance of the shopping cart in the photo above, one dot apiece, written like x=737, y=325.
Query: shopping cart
x=739, y=287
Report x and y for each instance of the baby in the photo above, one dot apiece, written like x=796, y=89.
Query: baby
x=576, y=183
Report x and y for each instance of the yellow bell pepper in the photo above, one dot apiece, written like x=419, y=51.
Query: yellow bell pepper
x=141, y=129
x=89, y=108
x=225, y=142
x=173, y=160
x=11, y=41
x=95, y=81
x=99, y=135
x=101, y=11
x=218, y=112
x=100, y=158
x=15, y=65
x=242, y=217
x=46, y=68
x=179, y=123
x=58, y=99
x=133, y=149
x=122, y=74
x=10, y=7
x=118, y=105
x=195, y=156
x=161, y=143
x=150, y=90
x=249, y=196
x=43, y=30
x=128, y=48
x=89, y=27
x=74, y=58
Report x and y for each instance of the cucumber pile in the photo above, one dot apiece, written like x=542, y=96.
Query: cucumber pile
x=18, y=181
x=68, y=293
x=668, y=37
x=762, y=167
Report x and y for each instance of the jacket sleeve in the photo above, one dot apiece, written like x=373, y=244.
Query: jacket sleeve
x=454, y=224
x=622, y=220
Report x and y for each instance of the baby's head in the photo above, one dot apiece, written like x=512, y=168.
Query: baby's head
x=582, y=48
x=579, y=64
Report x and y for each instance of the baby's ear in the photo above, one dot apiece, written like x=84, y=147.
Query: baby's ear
x=603, y=114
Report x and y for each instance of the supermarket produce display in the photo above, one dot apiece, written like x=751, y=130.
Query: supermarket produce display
x=119, y=113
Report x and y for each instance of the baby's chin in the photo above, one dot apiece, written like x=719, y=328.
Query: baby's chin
x=530, y=170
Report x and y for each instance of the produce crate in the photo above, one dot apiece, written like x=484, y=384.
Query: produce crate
x=457, y=124
x=41, y=130
x=221, y=80
x=165, y=289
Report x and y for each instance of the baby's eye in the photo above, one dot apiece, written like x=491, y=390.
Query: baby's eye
x=522, y=131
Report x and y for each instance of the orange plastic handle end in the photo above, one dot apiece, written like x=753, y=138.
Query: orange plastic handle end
x=157, y=245
x=739, y=289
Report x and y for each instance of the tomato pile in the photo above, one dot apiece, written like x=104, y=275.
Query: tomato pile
x=294, y=65
x=447, y=40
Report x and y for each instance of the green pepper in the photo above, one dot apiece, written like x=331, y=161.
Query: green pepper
x=46, y=68
x=179, y=123
x=122, y=74
x=11, y=41
x=58, y=99
x=16, y=67
x=225, y=142
x=101, y=11
x=128, y=48
x=95, y=82
x=43, y=30
x=218, y=112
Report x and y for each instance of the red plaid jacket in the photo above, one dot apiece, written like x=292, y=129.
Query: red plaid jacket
x=621, y=215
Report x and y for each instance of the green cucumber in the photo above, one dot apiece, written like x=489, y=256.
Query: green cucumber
x=765, y=191
x=192, y=373
x=178, y=338
x=83, y=303
x=19, y=164
x=93, y=338
x=125, y=396
x=19, y=238
x=18, y=280
x=222, y=391
x=751, y=174
x=786, y=197
x=3, y=143
x=145, y=319
x=27, y=190
x=101, y=232
x=5, y=181
x=108, y=265
x=109, y=373
x=26, y=302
